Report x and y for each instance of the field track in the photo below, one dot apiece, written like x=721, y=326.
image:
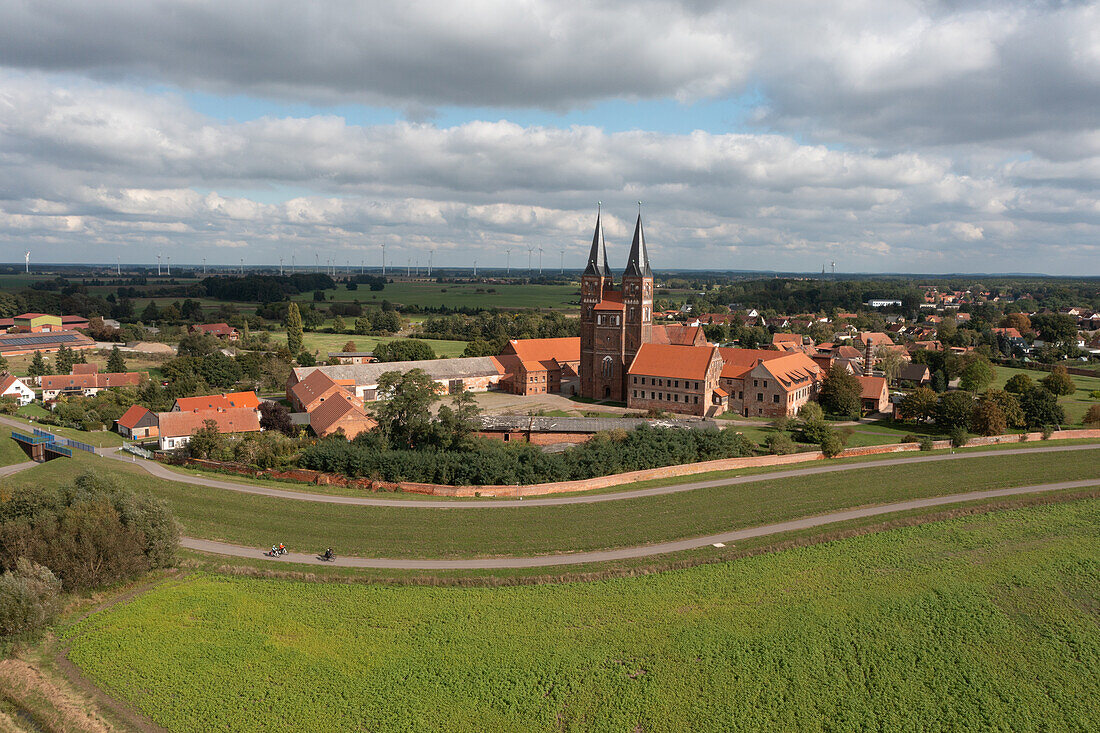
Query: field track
x=626, y=553
x=487, y=503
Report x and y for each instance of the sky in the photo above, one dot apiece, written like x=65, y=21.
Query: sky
x=882, y=135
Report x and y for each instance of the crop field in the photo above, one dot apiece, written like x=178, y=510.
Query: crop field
x=454, y=295
x=1075, y=404
x=258, y=521
x=986, y=622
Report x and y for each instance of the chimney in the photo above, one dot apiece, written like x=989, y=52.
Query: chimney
x=868, y=360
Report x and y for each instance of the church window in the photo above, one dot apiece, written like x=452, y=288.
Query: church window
x=607, y=369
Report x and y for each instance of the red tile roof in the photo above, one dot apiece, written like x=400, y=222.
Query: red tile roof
x=219, y=401
x=739, y=361
x=313, y=387
x=666, y=360
x=131, y=417
x=85, y=369
x=679, y=335
x=539, y=354
x=872, y=387
x=324, y=419
x=793, y=368
x=215, y=328
x=236, y=420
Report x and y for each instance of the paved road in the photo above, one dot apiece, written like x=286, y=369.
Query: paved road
x=160, y=471
x=16, y=468
x=222, y=548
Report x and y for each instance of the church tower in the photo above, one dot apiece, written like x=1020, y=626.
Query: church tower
x=601, y=367
x=637, y=298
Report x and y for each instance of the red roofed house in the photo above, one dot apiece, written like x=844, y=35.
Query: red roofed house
x=875, y=396
x=11, y=386
x=72, y=323
x=675, y=378
x=769, y=383
x=540, y=366
x=317, y=387
x=137, y=423
x=679, y=335
x=55, y=385
x=222, y=330
x=84, y=369
x=343, y=413
x=176, y=428
x=223, y=401
x=878, y=338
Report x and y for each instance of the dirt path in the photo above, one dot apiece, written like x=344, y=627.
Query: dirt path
x=626, y=553
x=160, y=471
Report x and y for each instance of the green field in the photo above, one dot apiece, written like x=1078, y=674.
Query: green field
x=326, y=342
x=10, y=452
x=987, y=622
x=453, y=295
x=1075, y=404
x=258, y=521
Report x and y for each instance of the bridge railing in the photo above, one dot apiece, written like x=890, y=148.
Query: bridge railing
x=61, y=440
x=137, y=450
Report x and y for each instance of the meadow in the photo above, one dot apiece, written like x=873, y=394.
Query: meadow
x=1075, y=404
x=417, y=532
x=984, y=622
x=458, y=295
x=323, y=343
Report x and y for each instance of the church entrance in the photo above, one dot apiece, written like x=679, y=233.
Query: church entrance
x=606, y=392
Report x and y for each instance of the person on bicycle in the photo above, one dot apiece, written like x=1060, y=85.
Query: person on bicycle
x=328, y=554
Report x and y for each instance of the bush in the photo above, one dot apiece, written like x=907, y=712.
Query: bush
x=909, y=438
x=959, y=436
x=831, y=444
x=1047, y=432
x=926, y=443
x=779, y=444
x=1092, y=416
x=1095, y=394
x=1023, y=437
x=1019, y=384
x=29, y=598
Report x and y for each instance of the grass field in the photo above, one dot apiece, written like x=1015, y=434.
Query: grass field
x=258, y=521
x=1075, y=404
x=432, y=294
x=985, y=622
x=326, y=342
x=10, y=452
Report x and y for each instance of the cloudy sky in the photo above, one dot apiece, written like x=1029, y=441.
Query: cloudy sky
x=883, y=135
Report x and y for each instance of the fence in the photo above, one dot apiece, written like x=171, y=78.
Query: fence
x=59, y=440
x=137, y=450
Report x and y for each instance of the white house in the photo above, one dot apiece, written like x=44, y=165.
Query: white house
x=12, y=387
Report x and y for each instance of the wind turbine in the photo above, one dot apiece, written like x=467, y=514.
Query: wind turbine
x=242, y=265
x=508, y=272
x=834, y=268
x=27, y=261
x=169, y=265
x=529, y=251
x=431, y=253
x=280, y=267
x=475, y=269
x=384, y=259
x=203, y=265
x=540, y=261
x=562, y=272
x=408, y=267
x=158, y=264
x=118, y=265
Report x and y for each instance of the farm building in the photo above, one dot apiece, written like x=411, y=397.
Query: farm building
x=875, y=397
x=87, y=385
x=222, y=401
x=16, y=344
x=222, y=330
x=472, y=374
x=176, y=428
x=539, y=366
x=341, y=412
x=352, y=357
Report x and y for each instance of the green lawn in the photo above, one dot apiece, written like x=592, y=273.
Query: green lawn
x=978, y=623
x=1075, y=404
x=258, y=521
x=326, y=342
x=510, y=296
x=10, y=451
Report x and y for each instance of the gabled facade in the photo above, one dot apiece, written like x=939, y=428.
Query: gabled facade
x=11, y=386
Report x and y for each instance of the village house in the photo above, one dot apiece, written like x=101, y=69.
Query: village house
x=541, y=366
x=222, y=401
x=308, y=394
x=11, y=386
x=471, y=374
x=340, y=413
x=222, y=330
x=137, y=423
x=352, y=357
x=86, y=382
x=874, y=395
x=768, y=383
x=176, y=428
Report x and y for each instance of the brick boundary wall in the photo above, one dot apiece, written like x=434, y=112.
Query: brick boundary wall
x=603, y=482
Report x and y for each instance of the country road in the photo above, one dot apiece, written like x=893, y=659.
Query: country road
x=625, y=553
x=161, y=471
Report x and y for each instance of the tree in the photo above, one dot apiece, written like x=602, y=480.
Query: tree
x=115, y=362
x=890, y=362
x=987, y=417
x=954, y=410
x=207, y=441
x=1054, y=327
x=198, y=343
x=479, y=347
x=977, y=375
x=306, y=359
x=1019, y=321
x=1019, y=384
x=350, y=348
x=387, y=321
x=939, y=381
x=1058, y=382
x=404, y=411
x=403, y=350
x=455, y=423
x=38, y=365
x=338, y=325
x=151, y=313
x=1092, y=416
x=779, y=444
x=840, y=393
x=919, y=405
x=831, y=444
x=3, y=364
x=1010, y=406
x=1041, y=408
x=275, y=416
x=363, y=325
x=64, y=361
x=318, y=296
x=293, y=328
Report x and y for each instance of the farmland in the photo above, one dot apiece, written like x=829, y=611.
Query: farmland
x=979, y=622
x=462, y=295
x=323, y=343
x=254, y=520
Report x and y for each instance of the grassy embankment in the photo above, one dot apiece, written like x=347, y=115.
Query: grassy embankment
x=986, y=622
x=253, y=520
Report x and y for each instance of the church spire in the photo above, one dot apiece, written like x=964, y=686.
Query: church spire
x=638, y=264
x=597, y=256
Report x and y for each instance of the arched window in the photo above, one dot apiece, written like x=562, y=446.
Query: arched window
x=607, y=367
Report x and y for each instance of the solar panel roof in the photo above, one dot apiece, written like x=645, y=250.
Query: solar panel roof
x=33, y=340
